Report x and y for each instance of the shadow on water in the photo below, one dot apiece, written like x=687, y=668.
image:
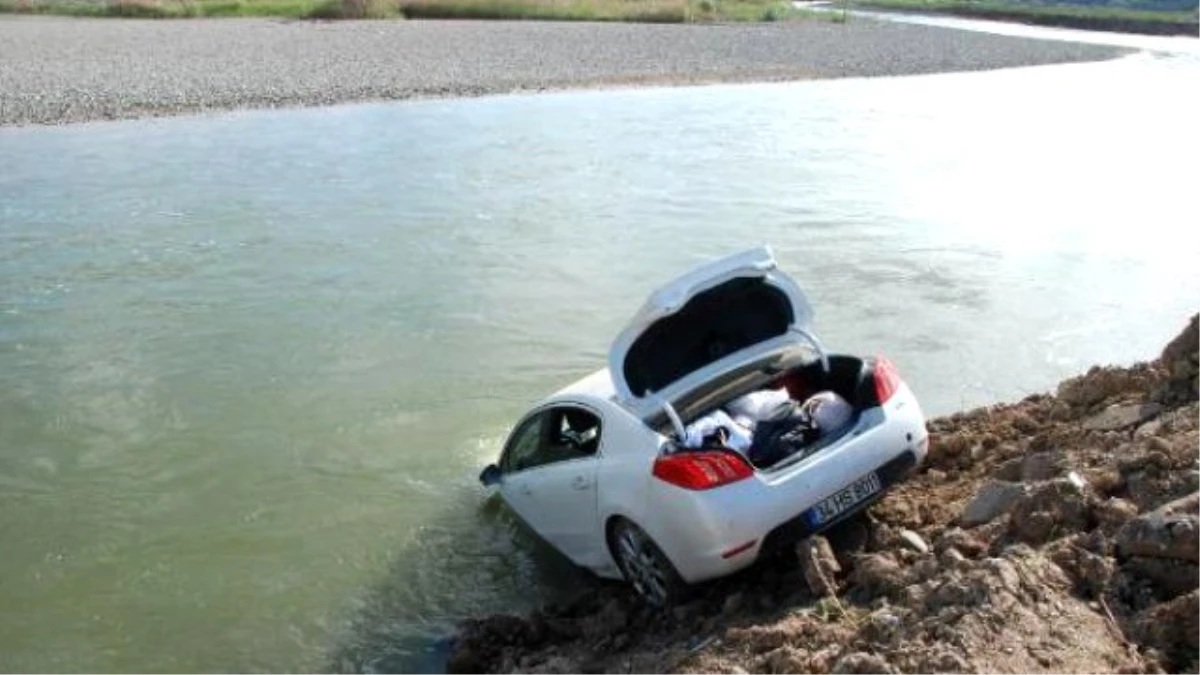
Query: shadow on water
x=475, y=560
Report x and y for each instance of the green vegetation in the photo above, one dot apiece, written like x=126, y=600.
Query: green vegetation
x=656, y=11
x=179, y=9
x=1103, y=17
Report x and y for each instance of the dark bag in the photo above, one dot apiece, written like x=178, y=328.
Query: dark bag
x=784, y=434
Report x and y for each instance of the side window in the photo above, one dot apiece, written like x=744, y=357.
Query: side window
x=556, y=435
x=524, y=444
x=577, y=433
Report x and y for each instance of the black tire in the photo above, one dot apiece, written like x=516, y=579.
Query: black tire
x=645, y=567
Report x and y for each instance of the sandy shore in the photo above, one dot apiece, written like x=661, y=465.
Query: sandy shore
x=58, y=70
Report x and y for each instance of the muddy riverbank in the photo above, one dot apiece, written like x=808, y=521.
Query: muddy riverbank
x=1051, y=535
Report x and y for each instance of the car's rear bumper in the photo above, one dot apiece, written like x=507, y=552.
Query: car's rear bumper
x=792, y=531
x=709, y=534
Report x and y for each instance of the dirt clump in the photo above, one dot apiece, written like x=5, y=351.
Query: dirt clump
x=1060, y=533
x=819, y=565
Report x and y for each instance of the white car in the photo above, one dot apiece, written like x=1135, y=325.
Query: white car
x=601, y=472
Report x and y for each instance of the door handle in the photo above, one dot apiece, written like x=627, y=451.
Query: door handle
x=580, y=483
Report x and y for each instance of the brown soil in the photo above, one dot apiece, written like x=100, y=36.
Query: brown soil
x=1079, y=554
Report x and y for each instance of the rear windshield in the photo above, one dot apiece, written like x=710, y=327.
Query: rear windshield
x=712, y=325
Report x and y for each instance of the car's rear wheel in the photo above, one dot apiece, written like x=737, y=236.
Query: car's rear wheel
x=645, y=566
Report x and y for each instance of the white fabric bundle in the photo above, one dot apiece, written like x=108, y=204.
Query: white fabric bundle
x=737, y=436
x=827, y=411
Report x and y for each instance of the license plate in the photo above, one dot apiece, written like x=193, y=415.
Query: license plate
x=843, y=500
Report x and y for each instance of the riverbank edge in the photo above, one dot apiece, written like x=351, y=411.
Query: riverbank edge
x=1077, y=19
x=93, y=93
x=1071, y=515
x=466, y=92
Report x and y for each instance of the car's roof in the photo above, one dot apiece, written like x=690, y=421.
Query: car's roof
x=598, y=385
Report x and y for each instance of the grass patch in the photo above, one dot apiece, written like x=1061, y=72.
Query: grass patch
x=185, y=9
x=642, y=11
x=1083, y=16
x=168, y=9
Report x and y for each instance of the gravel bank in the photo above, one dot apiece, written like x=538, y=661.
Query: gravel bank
x=57, y=70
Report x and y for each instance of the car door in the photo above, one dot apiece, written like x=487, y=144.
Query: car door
x=549, y=479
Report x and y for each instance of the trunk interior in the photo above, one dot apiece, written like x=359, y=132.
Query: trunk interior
x=850, y=377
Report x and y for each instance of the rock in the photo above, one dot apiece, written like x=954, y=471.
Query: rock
x=1148, y=429
x=1033, y=467
x=555, y=664
x=944, y=661
x=1106, y=480
x=992, y=501
x=951, y=446
x=881, y=625
x=958, y=538
x=1053, y=509
x=1091, y=573
x=1183, y=371
x=1159, y=445
x=1010, y=471
x=1117, y=417
x=849, y=539
x=924, y=569
x=684, y=612
x=784, y=660
x=879, y=574
x=1134, y=462
x=1043, y=465
x=1024, y=423
x=862, y=662
x=766, y=602
x=1172, y=628
x=1171, y=575
x=1061, y=411
x=1184, y=345
x=609, y=619
x=914, y=541
x=1035, y=528
x=733, y=602
x=1114, y=512
x=759, y=639
x=464, y=659
x=480, y=644
x=952, y=557
x=1170, y=531
x=882, y=537
x=819, y=565
x=1095, y=386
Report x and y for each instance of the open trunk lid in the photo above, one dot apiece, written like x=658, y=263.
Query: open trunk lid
x=712, y=320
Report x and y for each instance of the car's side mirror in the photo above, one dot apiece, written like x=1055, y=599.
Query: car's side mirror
x=490, y=475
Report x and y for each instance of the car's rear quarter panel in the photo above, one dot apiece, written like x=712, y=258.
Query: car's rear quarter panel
x=629, y=448
x=695, y=527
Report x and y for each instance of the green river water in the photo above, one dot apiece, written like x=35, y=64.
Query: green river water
x=251, y=363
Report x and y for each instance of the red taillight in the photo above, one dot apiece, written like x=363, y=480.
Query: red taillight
x=887, y=380
x=701, y=470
